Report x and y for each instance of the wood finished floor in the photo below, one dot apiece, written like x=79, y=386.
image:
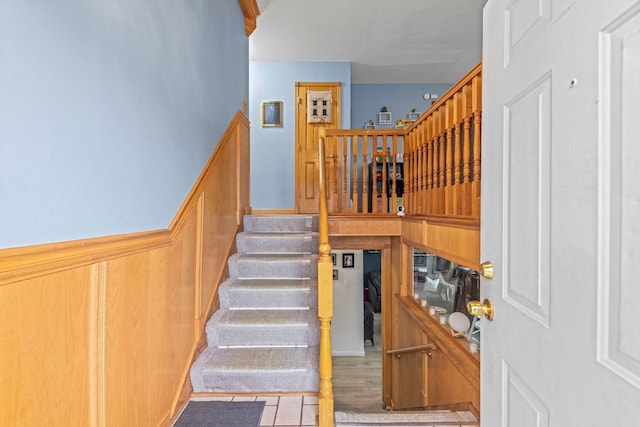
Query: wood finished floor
x=357, y=381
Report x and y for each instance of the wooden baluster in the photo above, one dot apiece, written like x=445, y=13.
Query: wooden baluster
x=457, y=154
x=385, y=175
x=436, y=175
x=365, y=174
x=419, y=172
x=466, y=166
x=394, y=178
x=409, y=199
x=416, y=174
x=429, y=167
x=449, y=142
x=345, y=177
x=457, y=170
x=441, y=170
x=335, y=191
x=477, y=119
x=354, y=189
x=477, y=136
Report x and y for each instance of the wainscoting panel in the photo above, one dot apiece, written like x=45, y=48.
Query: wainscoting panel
x=44, y=351
x=103, y=331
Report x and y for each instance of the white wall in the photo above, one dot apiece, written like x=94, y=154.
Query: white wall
x=347, y=330
x=109, y=109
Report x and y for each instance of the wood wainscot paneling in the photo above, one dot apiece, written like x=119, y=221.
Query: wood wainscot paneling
x=455, y=239
x=452, y=376
x=103, y=331
x=371, y=225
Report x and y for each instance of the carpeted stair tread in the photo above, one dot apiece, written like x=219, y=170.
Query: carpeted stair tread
x=265, y=318
x=263, y=328
x=271, y=223
x=256, y=369
x=277, y=242
x=404, y=418
x=269, y=293
x=247, y=266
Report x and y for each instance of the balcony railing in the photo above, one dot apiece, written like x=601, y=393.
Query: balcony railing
x=431, y=167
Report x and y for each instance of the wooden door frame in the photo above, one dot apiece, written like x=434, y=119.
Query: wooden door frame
x=337, y=118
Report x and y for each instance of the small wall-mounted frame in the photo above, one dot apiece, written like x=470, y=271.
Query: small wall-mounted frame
x=347, y=260
x=384, y=118
x=271, y=113
x=333, y=258
x=335, y=274
x=319, y=108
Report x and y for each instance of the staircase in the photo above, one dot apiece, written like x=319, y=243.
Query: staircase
x=265, y=336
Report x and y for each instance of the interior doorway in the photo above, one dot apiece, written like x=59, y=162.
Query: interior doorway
x=358, y=379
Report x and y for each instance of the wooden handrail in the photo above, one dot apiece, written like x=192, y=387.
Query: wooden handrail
x=325, y=297
x=412, y=349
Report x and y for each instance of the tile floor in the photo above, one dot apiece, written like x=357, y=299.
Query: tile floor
x=280, y=411
x=292, y=410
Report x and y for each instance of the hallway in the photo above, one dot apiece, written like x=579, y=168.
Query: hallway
x=357, y=381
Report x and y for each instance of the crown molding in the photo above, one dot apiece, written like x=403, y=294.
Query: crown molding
x=251, y=12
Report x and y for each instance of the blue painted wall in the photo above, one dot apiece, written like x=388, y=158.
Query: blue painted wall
x=400, y=99
x=109, y=109
x=273, y=148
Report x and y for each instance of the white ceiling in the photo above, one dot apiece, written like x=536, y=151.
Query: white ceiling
x=387, y=41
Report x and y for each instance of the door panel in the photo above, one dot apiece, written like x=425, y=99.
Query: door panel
x=560, y=203
x=307, y=189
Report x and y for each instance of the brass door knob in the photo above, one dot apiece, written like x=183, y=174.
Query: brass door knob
x=476, y=308
x=486, y=270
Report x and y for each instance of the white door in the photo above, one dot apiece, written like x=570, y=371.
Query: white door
x=561, y=213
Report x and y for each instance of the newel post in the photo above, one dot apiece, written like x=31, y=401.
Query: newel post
x=325, y=301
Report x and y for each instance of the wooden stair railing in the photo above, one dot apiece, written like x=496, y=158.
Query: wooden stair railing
x=353, y=179
x=432, y=166
x=325, y=298
x=442, y=153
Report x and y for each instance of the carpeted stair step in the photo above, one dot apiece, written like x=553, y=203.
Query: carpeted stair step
x=280, y=242
x=280, y=223
x=269, y=293
x=405, y=418
x=280, y=369
x=289, y=266
x=263, y=328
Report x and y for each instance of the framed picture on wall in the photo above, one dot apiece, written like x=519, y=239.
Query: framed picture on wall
x=333, y=259
x=348, y=260
x=420, y=260
x=335, y=274
x=271, y=113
